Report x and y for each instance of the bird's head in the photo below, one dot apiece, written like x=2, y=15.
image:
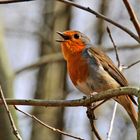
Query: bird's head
x=73, y=42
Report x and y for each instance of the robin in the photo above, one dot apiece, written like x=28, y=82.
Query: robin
x=91, y=70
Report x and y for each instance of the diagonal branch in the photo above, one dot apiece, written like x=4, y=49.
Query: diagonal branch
x=129, y=66
x=98, y=15
x=77, y=102
x=46, y=125
x=91, y=116
x=133, y=16
x=112, y=121
x=115, y=47
x=15, y=131
x=13, y=1
x=116, y=104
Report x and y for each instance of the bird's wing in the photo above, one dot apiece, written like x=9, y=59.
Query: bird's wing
x=108, y=65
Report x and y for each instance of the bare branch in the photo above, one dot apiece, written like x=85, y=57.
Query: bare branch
x=115, y=47
x=58, y=57
x=98, y=15
x=122, y=48
x=112, y=121
x=133, y=16
x=46, y=125
x=91, y=117
x=127, y=67
x=120, y=67
x=13, y=1
x=96, y=132
x=15, y=131
x=42, y=61
x=77, y=102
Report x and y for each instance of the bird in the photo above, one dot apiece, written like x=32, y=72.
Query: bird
x=92, y=71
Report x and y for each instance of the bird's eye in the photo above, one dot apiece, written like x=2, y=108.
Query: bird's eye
x=76, y=36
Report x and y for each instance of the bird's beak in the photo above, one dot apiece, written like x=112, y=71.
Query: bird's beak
x=64, y=37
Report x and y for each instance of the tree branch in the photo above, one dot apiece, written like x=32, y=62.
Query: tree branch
x=15, y=131
x=46, y=125
x=42, y=61
x=96, y=132
x=122, y=48
x=133, y=16
x=119, y=66
x=112, y=121
x=129, y=66
x=115, y=47
x=58, y=57
x=13, y=1
x=77, y=102
x=98, y=15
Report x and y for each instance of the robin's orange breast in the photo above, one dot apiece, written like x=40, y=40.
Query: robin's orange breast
x=78, y=69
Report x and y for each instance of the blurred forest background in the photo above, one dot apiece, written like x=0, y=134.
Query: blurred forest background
x=27, y=33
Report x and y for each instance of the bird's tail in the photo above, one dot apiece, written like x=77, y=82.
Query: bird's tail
x=126, y=102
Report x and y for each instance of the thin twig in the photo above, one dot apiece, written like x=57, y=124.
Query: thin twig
x=117, y=56
x=77, y=102
x=122, y=48
x=15, y=131
x=58, y=57
x=120, y=68
x=96, y=132
x=98, y=15
x=112, y=121
x=91, y=117
x=98, y=105
x=115, y=47
x=13, y=1
x=115, y=106
x=127, y=67
x=133, y=16
x=47, y=126
x=42, y=61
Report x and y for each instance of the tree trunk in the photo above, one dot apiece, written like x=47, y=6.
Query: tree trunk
x=51, y=78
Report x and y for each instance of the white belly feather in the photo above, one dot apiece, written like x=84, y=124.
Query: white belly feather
x=98, y=81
